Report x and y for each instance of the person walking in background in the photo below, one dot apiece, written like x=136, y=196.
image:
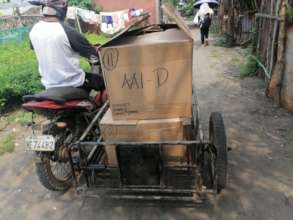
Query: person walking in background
x=205, y=29
x=203, y=18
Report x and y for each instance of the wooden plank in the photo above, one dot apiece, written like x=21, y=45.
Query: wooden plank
x=268, y=16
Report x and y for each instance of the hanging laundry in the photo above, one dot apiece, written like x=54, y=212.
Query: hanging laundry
x=113, y=22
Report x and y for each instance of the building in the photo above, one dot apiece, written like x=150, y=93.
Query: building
x=152, y=6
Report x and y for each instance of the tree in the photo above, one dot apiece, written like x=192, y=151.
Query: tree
x=173, y=2
x=86, y=4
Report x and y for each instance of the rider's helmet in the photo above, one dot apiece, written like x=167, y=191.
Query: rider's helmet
x=56, y=8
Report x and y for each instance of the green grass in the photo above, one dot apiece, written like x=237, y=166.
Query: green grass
x=18, y=73
x=249, y=68
x=7, y=144
x=215, y=53
x=20, y=117
x=235, y=61
x=220, y=42
x=96, y=39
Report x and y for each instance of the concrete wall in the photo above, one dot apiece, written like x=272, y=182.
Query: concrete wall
x=148, y=5
x=287, y=89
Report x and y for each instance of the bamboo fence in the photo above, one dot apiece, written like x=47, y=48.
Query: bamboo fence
x=269, y=36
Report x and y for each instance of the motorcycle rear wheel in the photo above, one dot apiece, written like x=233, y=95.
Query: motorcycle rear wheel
x=53, y=175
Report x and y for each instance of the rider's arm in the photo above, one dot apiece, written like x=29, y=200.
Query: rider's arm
x=79, y=43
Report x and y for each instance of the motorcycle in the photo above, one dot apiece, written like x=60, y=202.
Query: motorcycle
x=69, y=111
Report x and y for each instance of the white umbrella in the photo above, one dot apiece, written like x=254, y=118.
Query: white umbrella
x=212, y=3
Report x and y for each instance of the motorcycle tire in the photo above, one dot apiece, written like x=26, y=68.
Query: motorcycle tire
x=47, y=177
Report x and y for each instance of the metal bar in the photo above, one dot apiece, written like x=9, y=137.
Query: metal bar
x=123, y=143
x=78, y=23
x=98, y=115
x=146, y=190
x=181, y=166
x=93, y=150
x=72, y=169
x=190, y=199
x=98, y=167
x=193, y=198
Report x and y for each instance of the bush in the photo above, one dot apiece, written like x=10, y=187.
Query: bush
x=250, y=68
x=172, y=2
x=18, y=73
x=86, y=4
x=188, y=9
x=7, y=144
x=99, y=8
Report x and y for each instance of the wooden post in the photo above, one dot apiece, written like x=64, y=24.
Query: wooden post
x=275, y=85
x=275, y=34
x=221, y=17
x=230, y=28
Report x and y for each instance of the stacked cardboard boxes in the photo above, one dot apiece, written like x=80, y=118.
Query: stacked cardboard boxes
x=148, y=78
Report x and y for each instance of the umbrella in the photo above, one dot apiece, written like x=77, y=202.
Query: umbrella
x=212, y=3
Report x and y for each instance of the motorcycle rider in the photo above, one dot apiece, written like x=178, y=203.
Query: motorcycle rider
x=58, y=48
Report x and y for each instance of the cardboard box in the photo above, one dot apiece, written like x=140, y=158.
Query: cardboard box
x=144, y=130
x=149, y=75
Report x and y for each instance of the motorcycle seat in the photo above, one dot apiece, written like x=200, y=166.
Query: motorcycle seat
x=59, y=95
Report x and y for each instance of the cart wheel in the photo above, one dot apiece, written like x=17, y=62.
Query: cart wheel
x=218, y=140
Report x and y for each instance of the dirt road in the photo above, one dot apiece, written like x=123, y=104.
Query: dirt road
x=260, y=183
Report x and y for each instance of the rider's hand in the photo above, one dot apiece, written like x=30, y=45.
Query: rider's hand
x=94, y=60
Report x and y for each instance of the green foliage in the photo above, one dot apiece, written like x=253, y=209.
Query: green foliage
x=249, y=69
x=93, y=39
x=96, y=39
x=215, y=26
x=173, y=2
x=18, y=73
x=98, y=8
x=86, y=4
x=188, y=9
x=289, y=12
x=221, y=42
x=7, y=144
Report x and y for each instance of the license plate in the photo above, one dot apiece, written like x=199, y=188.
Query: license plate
x=41, y=143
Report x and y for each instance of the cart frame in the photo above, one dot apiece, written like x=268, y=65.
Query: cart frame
x=90, y=165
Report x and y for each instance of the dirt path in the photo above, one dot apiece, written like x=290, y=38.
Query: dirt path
x=260, y=182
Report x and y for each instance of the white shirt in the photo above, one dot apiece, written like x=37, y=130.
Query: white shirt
x=59, y=64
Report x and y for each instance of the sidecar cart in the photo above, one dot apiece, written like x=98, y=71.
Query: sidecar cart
x=142, y=171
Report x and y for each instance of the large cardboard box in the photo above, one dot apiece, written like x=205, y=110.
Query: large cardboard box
x=144, y=130
x=149, y=75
